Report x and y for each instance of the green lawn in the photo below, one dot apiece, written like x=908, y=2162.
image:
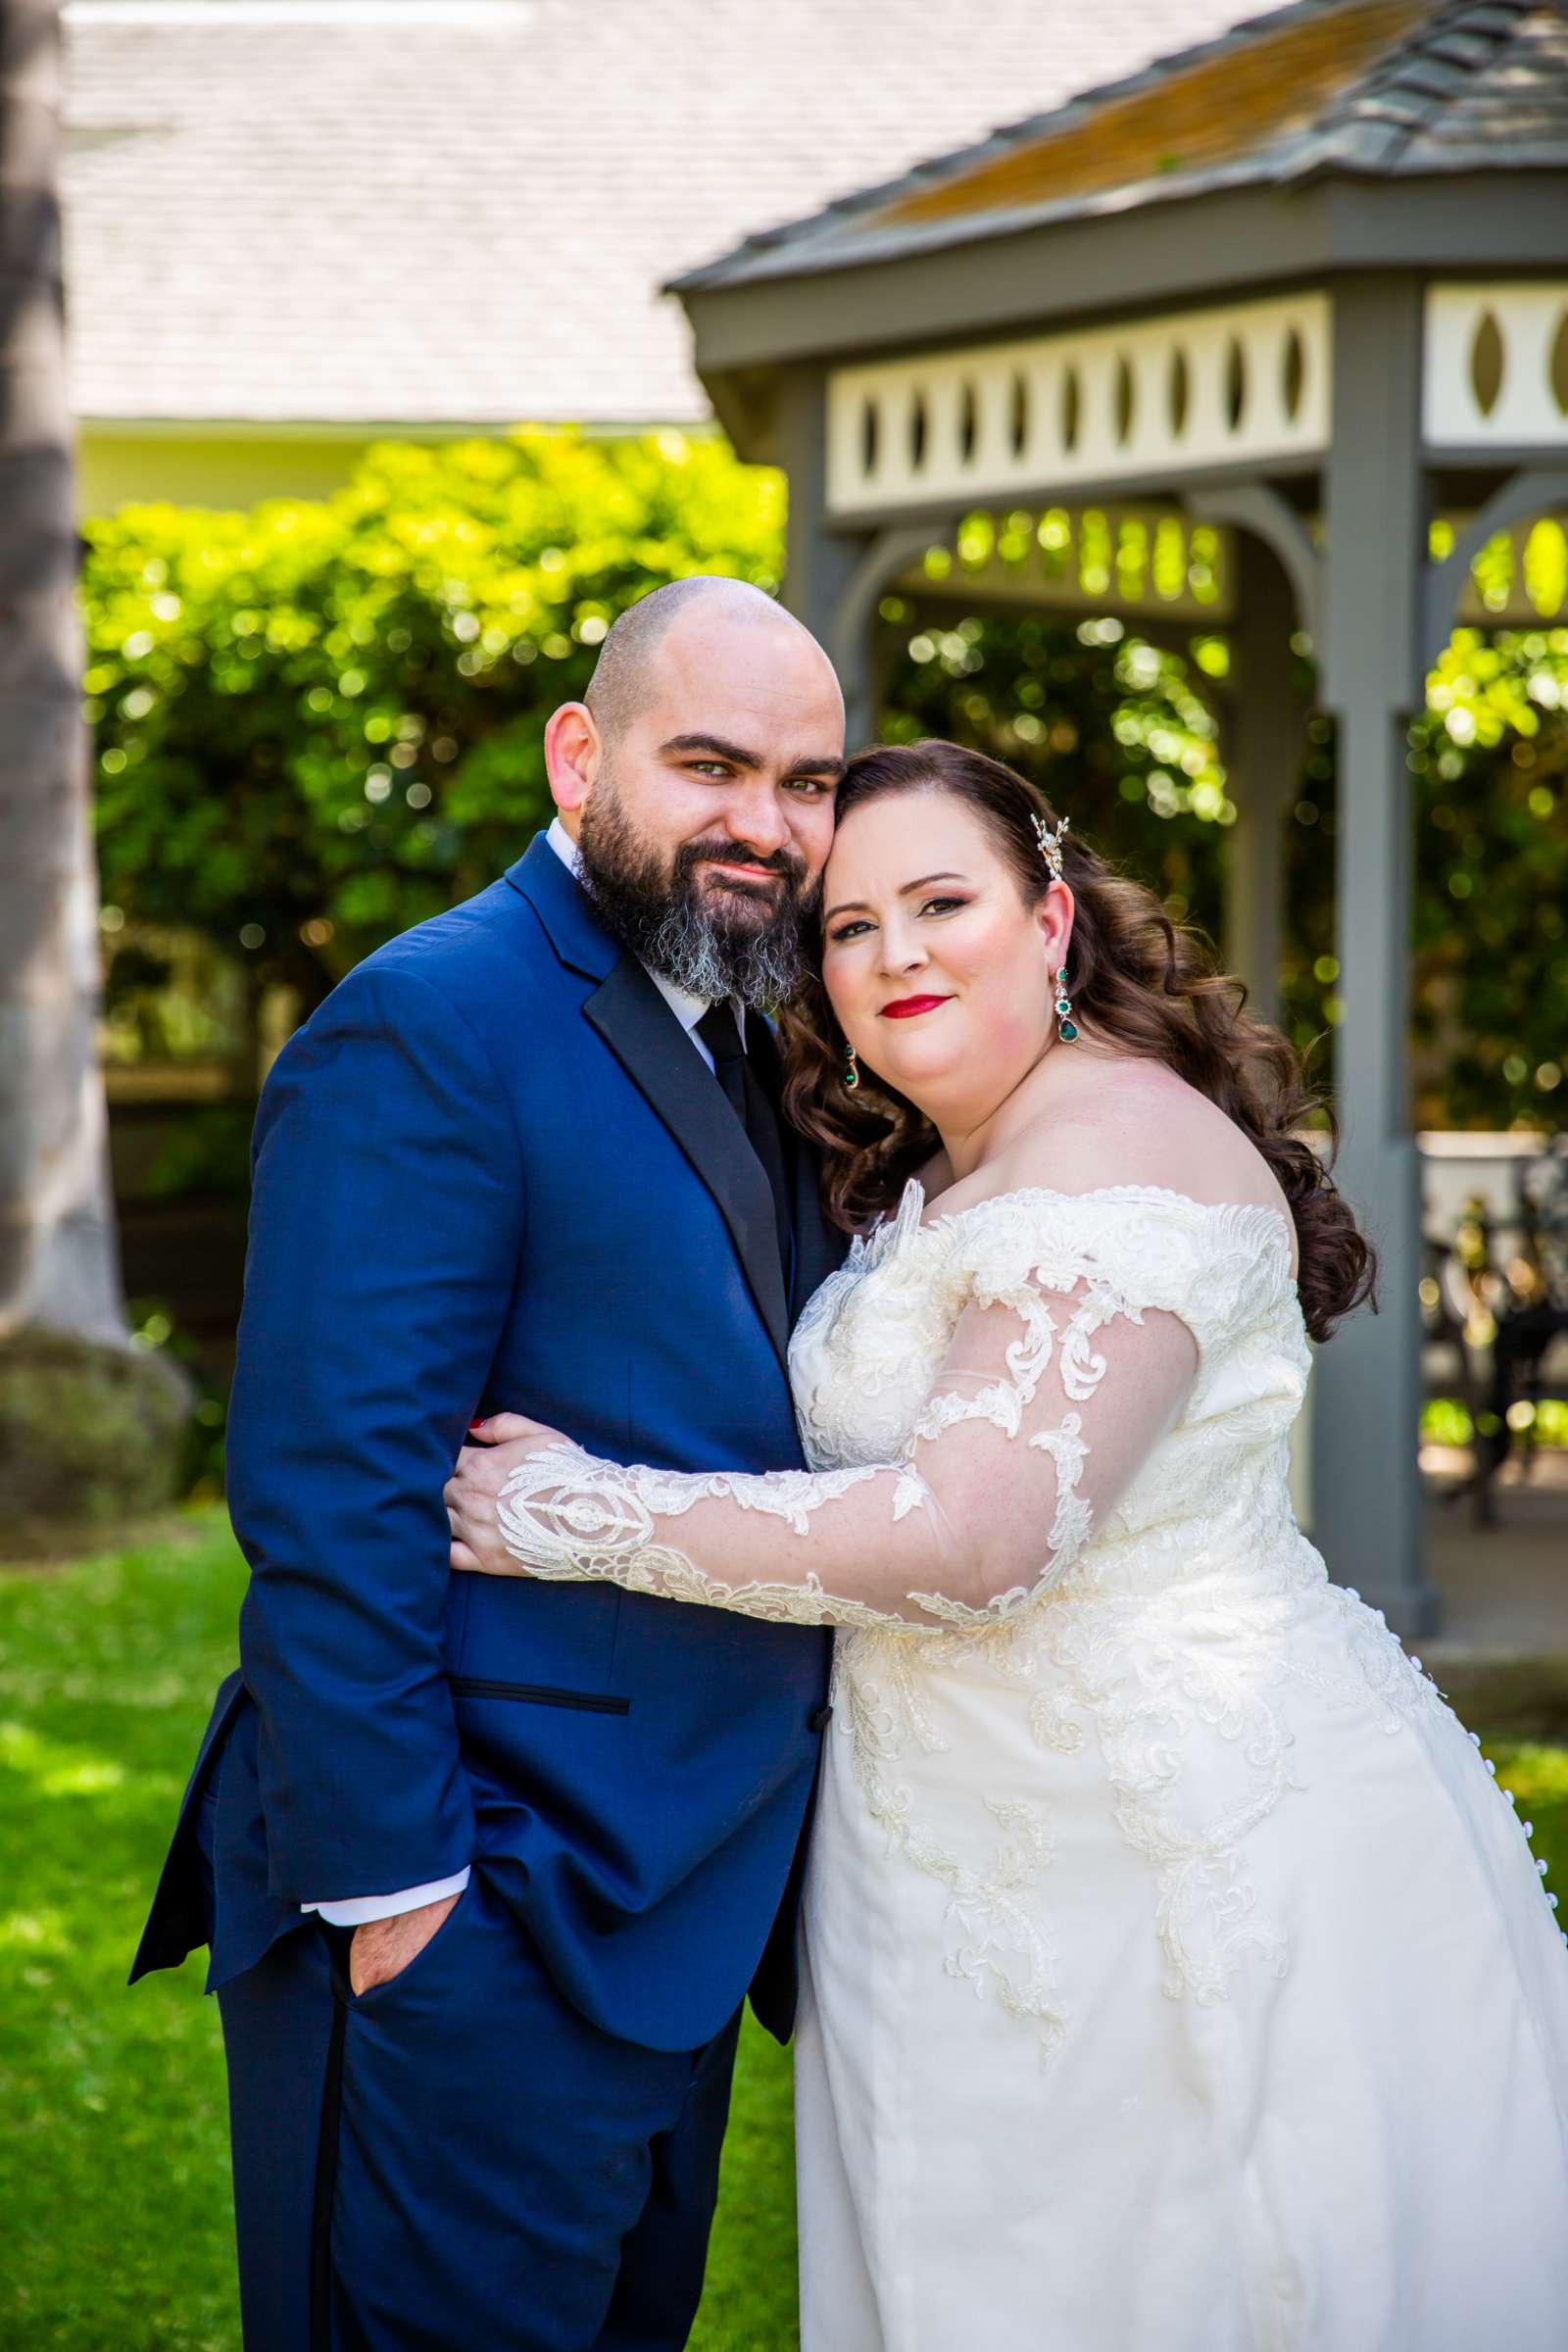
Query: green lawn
x=116, y=2229
x=116, y=2233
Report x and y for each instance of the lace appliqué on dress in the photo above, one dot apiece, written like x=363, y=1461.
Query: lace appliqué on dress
x=571, y=1516
x=565, y=1514
x=996, y=1934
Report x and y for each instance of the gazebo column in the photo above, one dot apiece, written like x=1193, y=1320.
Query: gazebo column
x=821, y=563
x=1369, y=1519
x=1262, y=740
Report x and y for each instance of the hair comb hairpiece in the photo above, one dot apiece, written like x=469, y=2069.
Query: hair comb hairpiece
x=1051, y=843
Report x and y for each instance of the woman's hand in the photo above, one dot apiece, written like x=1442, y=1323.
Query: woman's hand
x=483, y=1468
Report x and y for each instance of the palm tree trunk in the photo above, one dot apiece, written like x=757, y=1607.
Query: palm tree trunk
x=58, y=1260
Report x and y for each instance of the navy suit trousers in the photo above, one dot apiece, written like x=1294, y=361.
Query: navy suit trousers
x=459, y=2160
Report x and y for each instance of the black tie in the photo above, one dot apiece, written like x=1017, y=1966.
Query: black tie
x=749, y=1100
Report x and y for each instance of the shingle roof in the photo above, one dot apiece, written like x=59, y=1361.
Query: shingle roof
x=449, y=212
x=1469, y=85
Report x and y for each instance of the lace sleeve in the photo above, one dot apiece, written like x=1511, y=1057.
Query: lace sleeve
x=1048, y=1401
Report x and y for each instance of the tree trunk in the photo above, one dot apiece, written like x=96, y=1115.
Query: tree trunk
x=58, y=1260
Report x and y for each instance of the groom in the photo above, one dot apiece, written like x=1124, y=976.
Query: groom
x=487, y=1866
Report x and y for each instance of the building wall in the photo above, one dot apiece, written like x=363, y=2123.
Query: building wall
x=235, y=465
x=187, y=467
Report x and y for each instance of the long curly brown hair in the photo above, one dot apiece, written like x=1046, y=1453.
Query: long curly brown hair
x=1137, y=980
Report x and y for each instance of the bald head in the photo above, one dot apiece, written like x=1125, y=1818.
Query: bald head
x=626, y=675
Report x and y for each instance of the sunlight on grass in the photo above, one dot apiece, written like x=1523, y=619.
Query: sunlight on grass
x=32, y=1932
x=117, y=2232
x=51, y=1769
x=112, y=2172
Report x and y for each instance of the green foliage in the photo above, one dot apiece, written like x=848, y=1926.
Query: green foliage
x=114, y=2163
x=88, y=1433
x=1114, y=730
x=1490, y=759
x=199, y=1458
x=1488, y=765
x=1446, y=1421
x=319, y=723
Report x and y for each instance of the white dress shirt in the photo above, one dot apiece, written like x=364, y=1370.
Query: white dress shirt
x=355, y=1910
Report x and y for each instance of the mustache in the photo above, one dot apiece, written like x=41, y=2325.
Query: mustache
x=787, y=862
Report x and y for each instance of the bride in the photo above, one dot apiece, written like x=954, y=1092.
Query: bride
x=1176, y=1977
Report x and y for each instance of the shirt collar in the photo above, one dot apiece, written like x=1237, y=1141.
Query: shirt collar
x=687, y=1009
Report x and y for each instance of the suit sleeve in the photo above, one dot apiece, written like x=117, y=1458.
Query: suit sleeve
x=386, y=1225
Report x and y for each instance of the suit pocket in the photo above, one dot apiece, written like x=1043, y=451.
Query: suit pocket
x=539, y=1694
x=432, y=1951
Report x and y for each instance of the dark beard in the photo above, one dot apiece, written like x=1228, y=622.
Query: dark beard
x=751, y=948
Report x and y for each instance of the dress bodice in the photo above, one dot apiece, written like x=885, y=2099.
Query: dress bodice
x=1216, y=1486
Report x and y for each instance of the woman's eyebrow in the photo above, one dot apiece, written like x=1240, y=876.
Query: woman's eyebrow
x=859, y=907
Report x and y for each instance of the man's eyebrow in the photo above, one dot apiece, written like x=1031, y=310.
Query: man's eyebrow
x=716, y=747
x=859, y=907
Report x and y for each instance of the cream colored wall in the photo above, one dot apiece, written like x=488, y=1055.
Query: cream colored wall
x=190, y=469
x=236, y=465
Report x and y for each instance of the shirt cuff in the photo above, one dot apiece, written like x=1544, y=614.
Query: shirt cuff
x=355, y=1909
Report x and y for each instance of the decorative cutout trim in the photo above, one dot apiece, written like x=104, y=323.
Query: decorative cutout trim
x=1496, y=368
x=1198, y=388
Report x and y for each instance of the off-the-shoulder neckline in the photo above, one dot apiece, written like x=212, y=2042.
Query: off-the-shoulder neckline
x=1279, y=1222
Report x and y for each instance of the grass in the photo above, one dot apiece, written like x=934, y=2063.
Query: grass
x=117, y=2232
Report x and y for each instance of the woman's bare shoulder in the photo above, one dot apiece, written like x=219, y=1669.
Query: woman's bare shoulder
x=1138, y=1124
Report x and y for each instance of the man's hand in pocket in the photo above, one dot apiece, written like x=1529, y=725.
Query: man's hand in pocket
x=384, y=1948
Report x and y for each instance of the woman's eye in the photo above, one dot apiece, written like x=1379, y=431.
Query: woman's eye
x=942, y=906
x=848, y=931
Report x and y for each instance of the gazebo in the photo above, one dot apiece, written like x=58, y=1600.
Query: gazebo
x=1273, y=340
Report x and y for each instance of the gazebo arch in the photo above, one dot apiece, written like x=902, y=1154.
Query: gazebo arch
x=1302, y=291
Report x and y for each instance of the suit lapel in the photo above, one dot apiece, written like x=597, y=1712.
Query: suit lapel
x=819, y=1245
x=646, y=1039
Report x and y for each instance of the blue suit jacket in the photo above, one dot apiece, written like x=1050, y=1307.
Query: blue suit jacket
x=492, y=1171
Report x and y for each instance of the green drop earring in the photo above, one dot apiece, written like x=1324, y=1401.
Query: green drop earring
x=852, y=1076
x=1067, y=1027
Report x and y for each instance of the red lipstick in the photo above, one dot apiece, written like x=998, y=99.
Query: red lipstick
x=908, y=1009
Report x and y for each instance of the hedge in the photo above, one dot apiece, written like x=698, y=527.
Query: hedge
x=320, y=721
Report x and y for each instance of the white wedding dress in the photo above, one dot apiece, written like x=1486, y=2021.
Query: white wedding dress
x=1176, y=1979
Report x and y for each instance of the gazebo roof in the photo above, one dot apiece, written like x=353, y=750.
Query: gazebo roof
x=1380, y=90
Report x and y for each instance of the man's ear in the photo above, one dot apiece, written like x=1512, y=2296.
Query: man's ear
x=573, y=748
